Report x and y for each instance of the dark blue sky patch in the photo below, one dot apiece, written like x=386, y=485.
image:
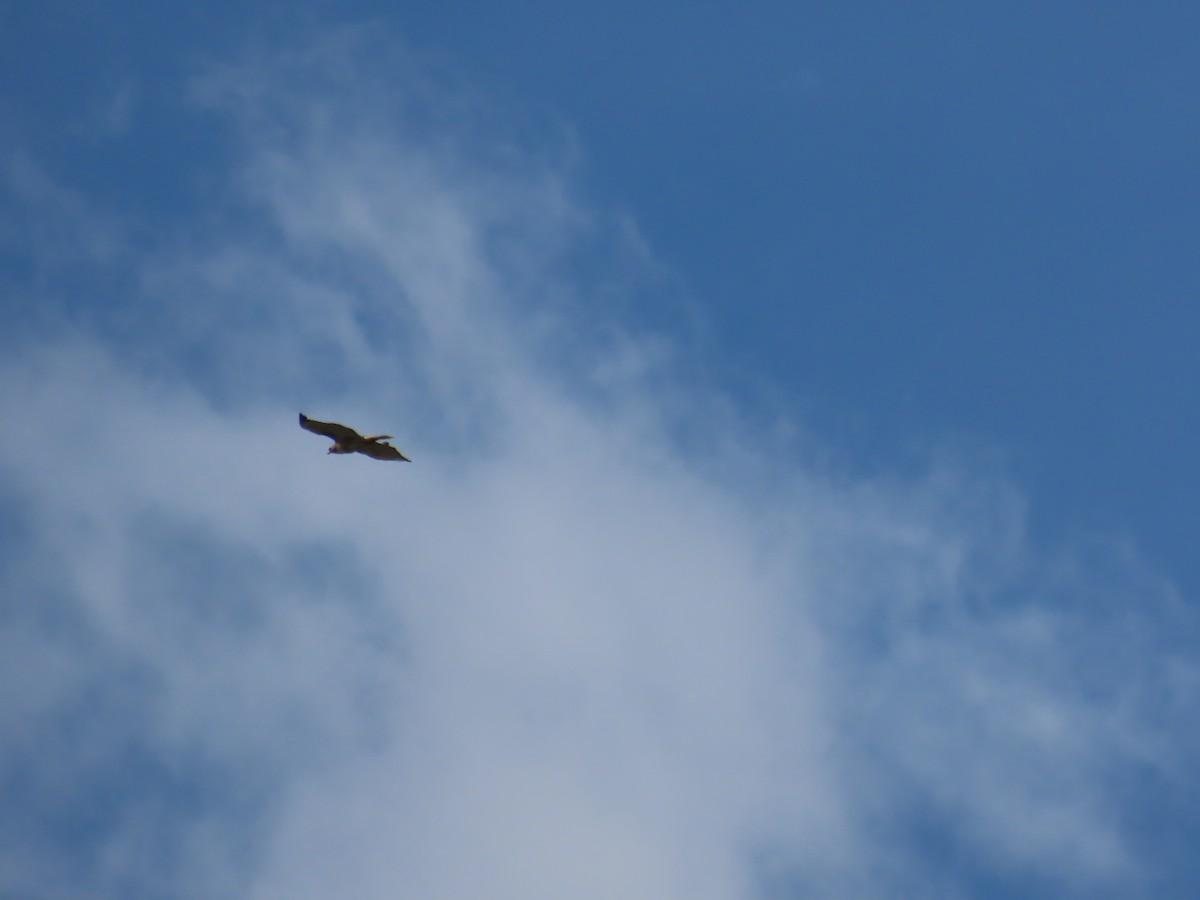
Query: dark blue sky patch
x=103, y=803
x=191, y=580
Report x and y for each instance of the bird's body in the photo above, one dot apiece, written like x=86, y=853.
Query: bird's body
x=347, y=440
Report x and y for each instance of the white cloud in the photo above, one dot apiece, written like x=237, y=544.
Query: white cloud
x=564, y=653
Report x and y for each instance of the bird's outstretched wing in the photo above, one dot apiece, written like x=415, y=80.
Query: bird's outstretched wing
x=379, y=450
x=331, y=430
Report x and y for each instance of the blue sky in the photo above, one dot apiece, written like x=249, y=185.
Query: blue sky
x=802, y=407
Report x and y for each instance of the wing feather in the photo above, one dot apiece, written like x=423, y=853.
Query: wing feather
x=382, y=451
x=331, y=430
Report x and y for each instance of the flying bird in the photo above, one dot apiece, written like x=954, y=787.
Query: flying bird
x=347, y=440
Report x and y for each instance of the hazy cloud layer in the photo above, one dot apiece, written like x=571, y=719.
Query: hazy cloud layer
x=603, y=638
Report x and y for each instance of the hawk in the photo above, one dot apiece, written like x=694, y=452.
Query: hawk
x=347, y=440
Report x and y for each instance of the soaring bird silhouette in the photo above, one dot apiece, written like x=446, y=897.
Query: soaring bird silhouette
x=347, y=440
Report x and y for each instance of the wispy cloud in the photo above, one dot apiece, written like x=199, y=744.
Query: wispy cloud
x=566, y=652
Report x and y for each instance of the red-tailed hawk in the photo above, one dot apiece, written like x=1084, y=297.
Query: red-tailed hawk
x=347, y=440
